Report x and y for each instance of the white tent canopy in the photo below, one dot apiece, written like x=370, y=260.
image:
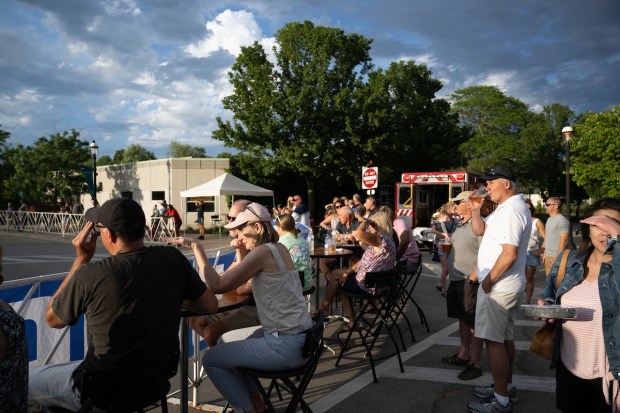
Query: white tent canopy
x=226, y=184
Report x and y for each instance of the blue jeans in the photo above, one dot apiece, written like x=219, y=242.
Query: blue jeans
x=254, y=348
x=53, y=386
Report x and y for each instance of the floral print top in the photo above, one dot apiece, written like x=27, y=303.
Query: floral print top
x=14, y=368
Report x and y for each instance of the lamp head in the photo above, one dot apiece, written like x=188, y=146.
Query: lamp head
x=567, y=133
x=94, y=149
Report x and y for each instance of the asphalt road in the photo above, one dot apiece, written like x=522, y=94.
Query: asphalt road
x=28, y=254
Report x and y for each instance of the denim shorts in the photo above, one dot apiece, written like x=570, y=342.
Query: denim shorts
x=532, y=260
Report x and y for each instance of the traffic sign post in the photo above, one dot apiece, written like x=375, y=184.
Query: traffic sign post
x=370, y=178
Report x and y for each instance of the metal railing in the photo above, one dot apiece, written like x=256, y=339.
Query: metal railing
x=70, y=224
x=29, y=297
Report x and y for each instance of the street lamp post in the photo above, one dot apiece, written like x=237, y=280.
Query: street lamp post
x=94, y=150
x=567, y=134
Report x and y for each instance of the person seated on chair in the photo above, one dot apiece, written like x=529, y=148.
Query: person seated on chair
x=13, y=358
x=408, y=251
x=132, y=302
x=346, y=225
x=278, y=343
x=330, y=214
x=212, y=326
x=380, y=255
x=297, y=246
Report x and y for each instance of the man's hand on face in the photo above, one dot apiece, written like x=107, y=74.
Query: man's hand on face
x=85, y=247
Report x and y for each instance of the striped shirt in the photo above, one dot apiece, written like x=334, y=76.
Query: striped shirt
x=583, y=346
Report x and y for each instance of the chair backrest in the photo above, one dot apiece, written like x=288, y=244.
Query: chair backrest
x=313, y=346
x=127, y=388
x=307, y=290
x=380, y=279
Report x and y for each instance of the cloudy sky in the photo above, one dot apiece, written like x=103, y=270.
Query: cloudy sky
x=150, y=72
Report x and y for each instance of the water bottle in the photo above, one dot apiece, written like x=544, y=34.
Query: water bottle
x=310, y=240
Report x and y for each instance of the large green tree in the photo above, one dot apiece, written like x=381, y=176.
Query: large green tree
x=398, y=113
x=179, y=150
x=496, y=121
x=293, y=116
x=595, y=153
x=542, y=151
x=133, y=153
x=49, y=170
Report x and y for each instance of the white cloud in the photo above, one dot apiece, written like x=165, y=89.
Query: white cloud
x=145, y=79
x=228, y=31
x=501, y=80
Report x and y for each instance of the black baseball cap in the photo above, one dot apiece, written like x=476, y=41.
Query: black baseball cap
x=118, y=214
x=499, y=172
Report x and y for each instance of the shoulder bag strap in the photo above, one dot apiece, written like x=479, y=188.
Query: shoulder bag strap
x=562, y=270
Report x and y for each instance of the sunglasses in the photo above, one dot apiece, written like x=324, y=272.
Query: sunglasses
x=96, y=228
x=230, y=219
x=548, y=204
x=339, y=206
x=248, y=208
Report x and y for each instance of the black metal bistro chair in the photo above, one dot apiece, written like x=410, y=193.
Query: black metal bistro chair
x=128, y=390
x=376, y=312
x=312, y=350
x=408, y=282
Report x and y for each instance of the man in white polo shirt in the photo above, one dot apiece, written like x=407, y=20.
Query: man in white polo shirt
x=501, y=273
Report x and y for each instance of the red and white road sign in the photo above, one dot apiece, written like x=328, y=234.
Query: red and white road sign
x=370, y=177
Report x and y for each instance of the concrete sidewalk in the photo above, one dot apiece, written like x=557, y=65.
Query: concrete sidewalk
x=427, y=385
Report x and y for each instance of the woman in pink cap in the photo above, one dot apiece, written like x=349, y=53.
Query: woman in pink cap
x=274, y=345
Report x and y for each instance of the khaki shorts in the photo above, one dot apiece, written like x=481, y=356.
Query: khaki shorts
x=246, y=316
x=548, y=264
x=470, y=296
x=496, y=313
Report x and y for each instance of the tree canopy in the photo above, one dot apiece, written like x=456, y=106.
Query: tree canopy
x=506, y=132
x=293, y=116
x=322, y=113
x=49, y=170
x=595, y=153
x=179, y=150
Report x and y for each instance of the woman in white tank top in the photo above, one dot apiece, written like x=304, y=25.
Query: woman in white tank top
x=533, y=253
x=274, y=345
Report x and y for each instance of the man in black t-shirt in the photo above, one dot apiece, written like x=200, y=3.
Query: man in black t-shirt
x=132, y=302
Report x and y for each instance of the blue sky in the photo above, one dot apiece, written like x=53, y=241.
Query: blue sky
x=152, y=72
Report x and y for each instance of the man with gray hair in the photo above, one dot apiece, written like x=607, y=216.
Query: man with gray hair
x=371, y=206
x=501, y=273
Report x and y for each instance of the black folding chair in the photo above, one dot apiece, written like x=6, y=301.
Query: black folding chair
x=311, y=351
x=378, y=307
x=307, y=290
x=128, y=389
x=410, y=280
